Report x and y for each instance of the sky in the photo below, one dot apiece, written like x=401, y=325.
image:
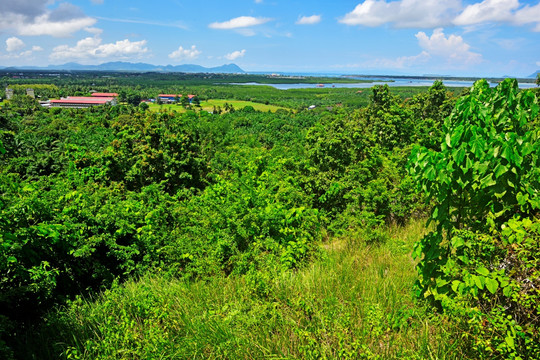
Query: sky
x=409, y=37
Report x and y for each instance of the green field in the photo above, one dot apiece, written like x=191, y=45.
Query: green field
x=210, y=104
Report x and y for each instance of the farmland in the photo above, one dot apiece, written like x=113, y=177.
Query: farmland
x=211, y=105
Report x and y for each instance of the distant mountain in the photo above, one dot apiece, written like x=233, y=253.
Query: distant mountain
x=137, y=67
x=534, y=75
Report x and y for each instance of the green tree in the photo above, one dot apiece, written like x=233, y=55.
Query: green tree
x=143, y=106
x=185, y=101
x=429, y=110
x=134, y=99
x=387, y=119
x=122, y=96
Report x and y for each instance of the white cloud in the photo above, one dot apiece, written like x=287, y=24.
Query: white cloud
x=309, y=20
x=403, y=13
x=501, y=11
x=91, y=48
x=33, y=17
x=439, y=13
x=258, y=1
x=452, y=48
x=487, y=11
x=94, y=30
x=43, y=26
x=185, y=54
x=528, y=14
x=437, y=51
x=235, y=55
x=239, y=22
x=538, y=63
x=97, y=2
x=14, y=44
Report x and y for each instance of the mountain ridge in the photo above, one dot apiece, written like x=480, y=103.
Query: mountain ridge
x=135, y=67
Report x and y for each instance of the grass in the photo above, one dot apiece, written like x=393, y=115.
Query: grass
x=355, y=302
x=210, y=104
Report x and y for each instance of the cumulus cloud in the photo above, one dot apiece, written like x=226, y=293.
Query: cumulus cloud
x=33, y=17
x=28, y=8
x=43, y=26
x=14, y=47
x=452, y=48
x=528, y=14
x=97, y=2
x=239, y=22
x=439, y=49
x=505, y=11
x=14, y=44
x=235, y=55
x=439, y=13
x=185, y=54
x=403, y=13
x=91, y=48
x=309, y=20
x=487, y=11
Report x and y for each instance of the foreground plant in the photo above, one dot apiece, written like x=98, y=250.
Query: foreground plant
x=485, y=184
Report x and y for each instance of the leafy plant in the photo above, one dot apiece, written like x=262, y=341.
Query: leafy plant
x=485, y=178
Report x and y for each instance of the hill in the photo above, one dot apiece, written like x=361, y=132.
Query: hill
x=534, y=74
x=139, y=67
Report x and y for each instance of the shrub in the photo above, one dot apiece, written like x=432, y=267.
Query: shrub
x=485, y=179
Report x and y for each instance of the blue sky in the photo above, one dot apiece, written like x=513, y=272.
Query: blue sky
x=454, y=37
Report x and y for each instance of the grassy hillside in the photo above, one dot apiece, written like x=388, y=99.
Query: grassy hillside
x=354, y=302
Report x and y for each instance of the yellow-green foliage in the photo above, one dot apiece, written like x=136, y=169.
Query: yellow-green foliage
x=354, y=303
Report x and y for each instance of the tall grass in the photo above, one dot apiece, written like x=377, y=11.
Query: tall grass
x=355, y=302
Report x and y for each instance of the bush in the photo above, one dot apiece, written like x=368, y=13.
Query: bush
x=485, y=181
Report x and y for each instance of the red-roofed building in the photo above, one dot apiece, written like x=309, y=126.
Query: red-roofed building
x=81, y=102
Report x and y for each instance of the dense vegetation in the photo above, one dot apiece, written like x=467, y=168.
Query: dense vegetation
x=130, y=233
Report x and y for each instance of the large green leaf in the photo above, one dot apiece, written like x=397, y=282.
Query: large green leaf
x=482, y=271
x=492, y=285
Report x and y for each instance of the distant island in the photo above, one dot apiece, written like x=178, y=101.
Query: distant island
x=136, y=67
